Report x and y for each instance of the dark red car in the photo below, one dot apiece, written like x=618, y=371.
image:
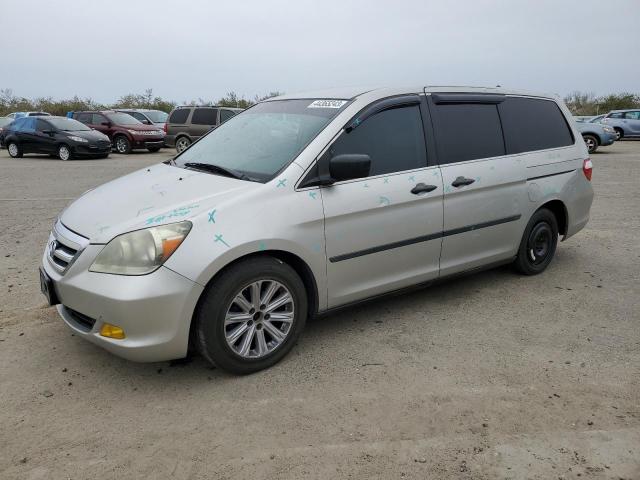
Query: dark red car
x=126, y=133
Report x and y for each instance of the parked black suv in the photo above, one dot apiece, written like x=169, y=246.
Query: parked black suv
x=187, y=124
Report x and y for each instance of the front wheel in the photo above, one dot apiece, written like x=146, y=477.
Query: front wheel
x=538, y=244
x=619, y=133
x=64, y=153
x=591, y=142
x=123, y=145
x=14, y=150
x=251, y=316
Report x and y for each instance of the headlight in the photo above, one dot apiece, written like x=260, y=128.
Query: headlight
x=133, y=132
x=77, y=139
x=142, y=251
x=608, y=129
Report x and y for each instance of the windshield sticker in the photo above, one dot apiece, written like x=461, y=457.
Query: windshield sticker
x=327, y=104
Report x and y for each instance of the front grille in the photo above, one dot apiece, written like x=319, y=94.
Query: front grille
x=64, y=247
x=84, y=322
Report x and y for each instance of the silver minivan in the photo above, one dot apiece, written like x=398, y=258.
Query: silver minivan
x=307, y=203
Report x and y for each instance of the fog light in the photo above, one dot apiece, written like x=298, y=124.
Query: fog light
x=112, y=331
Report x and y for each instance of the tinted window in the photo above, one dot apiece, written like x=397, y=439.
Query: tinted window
x=394, y=140
x=84, y=117
x=179, y=116
x=42, y=126
x=532, y=124
x=138, y=116
x=67, y=124
x=226, y=115
x=615, y=115
x=97, y=119
x=467, y=132
x=205, y=116
x=632, y=115
x=120, y=118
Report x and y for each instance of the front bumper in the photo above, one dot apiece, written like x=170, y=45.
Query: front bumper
x=91, y=149
x=147, y=142
x=608, y=139
x=155, y=310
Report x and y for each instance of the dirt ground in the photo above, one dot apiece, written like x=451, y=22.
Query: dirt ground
x=489, y=376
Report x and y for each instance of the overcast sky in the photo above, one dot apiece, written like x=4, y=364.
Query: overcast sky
x=191, y=49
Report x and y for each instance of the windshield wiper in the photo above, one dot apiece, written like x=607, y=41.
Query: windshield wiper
x=216, y=169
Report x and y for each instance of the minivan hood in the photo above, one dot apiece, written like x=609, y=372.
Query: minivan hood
x=152, y=196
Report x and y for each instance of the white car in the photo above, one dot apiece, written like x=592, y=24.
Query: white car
x=306, y=203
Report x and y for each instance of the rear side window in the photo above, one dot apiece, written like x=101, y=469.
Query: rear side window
x=43, y=126
x=29, y=125
x=394, y=140
x=533, y=124
x=84, y=117
x=468, y=131
x=226, y=115
x=16, y=125
x=205, y=116
x=632, y=115
x=179, y=116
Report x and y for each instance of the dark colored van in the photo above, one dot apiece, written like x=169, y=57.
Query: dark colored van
x=187, y=124
x=126, y=133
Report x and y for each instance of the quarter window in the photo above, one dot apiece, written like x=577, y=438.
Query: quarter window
x=393, y=139
x=179, y=116
x=468, y=132
x=84, y=117
x=205, y=116
x=226, y=115
x=533, y=124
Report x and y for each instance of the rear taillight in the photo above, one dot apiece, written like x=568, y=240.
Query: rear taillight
x=165, y=129
x=587, y=168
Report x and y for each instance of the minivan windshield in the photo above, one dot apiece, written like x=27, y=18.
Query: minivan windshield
x=260, y=141
x=156, y=116
x=67, y=124
x=120, y=118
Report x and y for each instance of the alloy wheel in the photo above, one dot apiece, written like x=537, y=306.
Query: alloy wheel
x=259, y=318
x=182, y=145
x=64, y=153
x=13, y=149
x=591, y=144
x=121, y=145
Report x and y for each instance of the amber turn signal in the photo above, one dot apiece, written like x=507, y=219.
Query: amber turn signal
x=112, y=331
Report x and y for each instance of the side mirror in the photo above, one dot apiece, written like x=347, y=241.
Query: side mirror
x=49, y=132
x=146, y=122
x=106, y=124
x=349, y=166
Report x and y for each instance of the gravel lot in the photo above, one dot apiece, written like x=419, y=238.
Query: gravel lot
x=489, y=376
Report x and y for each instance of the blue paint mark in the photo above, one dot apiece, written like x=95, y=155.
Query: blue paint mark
x=211, y=216
x=435, y=173
x=282, y=183
x=386, y=179
x=102, y=229
x=412, y=178
x=143, y=210
x=385, y=201
x=313, y=195
x=366, y=186
x=219, y=239
x=262, y=246
x=176, y=212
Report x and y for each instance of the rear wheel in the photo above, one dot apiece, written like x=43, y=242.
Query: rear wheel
x=64, y=153
x=14, y=150
x=538, y=244
x=251, y=316
x=182, y=144
x=591, y=142
x=123, y=145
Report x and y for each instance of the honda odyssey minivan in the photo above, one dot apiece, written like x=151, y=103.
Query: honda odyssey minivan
x=306, y=203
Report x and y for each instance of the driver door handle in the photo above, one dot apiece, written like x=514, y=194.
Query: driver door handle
x=461, y=181
x=422, y=188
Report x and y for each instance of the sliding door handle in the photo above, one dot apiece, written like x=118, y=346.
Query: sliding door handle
x=461, y=181
x=422, y=188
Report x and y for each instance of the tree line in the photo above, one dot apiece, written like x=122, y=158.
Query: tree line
x=584, y=103
x=12, y=103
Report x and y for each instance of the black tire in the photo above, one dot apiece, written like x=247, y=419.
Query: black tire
x=210, y=316
x=591, y=142
x=64, y=152
x=153, y=149
x=619, y=133
x=14, y=149
x=122, y=144
x=182, y=143
x=538, y=244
